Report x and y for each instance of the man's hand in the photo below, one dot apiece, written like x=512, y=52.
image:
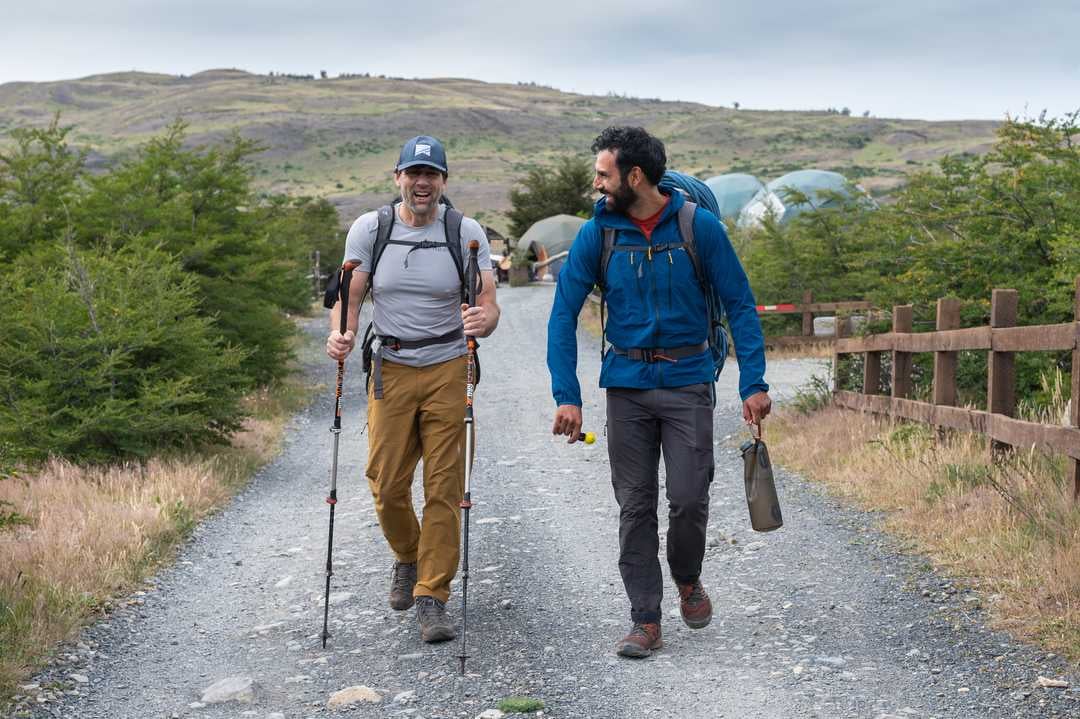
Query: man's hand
x=477, y=320
x=756, y=407
x=567, y=422
x=338, y=345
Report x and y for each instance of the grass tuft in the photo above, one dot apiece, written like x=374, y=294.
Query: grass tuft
x=1011, y=529
x=520, y=705
x=73, y=538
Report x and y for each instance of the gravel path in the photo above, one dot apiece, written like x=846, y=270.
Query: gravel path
x=825, y=618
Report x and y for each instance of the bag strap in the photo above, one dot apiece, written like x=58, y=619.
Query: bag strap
x=452, y=224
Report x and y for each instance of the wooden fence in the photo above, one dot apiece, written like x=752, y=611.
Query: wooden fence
x=1001, y=339
x=808, y=308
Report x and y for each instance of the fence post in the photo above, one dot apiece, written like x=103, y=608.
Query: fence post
x=1001, y=371
x=901, y=361
x=807, y=317
x=948, y=318
x=871, y=379
x=1074, y=402
x=316, y=273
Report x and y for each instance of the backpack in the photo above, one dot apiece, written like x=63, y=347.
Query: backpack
x=387, y=215
x=698, y=194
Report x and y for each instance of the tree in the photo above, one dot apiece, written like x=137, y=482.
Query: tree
x=103, y=357
x=542, y=193
x=199, y=205
x=40, y=179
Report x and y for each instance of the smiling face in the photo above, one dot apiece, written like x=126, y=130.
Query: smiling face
x=618, y=193
x=421, y=187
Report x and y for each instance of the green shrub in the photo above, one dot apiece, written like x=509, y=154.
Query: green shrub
x=103, y=356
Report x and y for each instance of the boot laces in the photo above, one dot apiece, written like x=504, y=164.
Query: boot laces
x=696, y=594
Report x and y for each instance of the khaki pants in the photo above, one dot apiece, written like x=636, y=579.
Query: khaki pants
x=422, y=414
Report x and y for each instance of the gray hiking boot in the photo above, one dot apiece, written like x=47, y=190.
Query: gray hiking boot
x=401, y=585
x=435, y=626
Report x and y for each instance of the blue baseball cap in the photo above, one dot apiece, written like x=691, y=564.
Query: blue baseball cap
x=423, y=150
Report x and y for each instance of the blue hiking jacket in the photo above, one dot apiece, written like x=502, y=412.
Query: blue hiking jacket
x=653, y=303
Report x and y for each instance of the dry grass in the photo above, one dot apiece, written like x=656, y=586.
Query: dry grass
x=1012, y=530
x=86, y=536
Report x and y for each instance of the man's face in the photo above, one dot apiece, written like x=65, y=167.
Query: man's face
x=421, y=187
x=618, y=194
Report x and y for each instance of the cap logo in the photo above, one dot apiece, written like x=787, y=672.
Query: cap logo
x=422, y=150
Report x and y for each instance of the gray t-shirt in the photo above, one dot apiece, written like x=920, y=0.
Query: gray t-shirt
x=417, y=292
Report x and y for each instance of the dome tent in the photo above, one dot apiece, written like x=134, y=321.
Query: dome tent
x=550, y=236
x=733, y=191
x=775, y=198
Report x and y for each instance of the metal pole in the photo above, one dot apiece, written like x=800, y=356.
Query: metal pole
x=346, y=277
x=471, y=275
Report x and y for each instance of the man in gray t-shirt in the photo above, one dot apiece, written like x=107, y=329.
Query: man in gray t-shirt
x=416, y=401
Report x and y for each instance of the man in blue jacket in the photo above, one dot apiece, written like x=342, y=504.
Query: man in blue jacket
x=658, y=371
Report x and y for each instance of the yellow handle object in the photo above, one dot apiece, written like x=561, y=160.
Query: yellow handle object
x=587, y=437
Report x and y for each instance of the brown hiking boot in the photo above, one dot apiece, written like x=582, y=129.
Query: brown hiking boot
x=642, y=641
x=435, y=626
x=695, y=605
x=401, y=585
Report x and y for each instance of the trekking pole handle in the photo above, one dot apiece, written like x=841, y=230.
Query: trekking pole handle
x=471, y=272
x=343, y=293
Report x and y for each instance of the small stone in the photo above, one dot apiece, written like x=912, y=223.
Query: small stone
x=797, y=670
x=230, y=689
x=405, y=697
x=831, y=661
x=353, y=695
x=1047, y=683
x=275, y=715
x=505, y=604
x=80, y=678
x=755, y=546
x=196, y=705
x=490, y=714
x=283, y=582
x=339, y=597
x=751, y=610
x=962, y=690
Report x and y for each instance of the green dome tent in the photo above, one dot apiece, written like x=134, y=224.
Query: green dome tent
x=548, y=237
x=775, y=197
x=732, y=192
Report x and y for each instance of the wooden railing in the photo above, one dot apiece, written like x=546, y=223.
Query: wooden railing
x=808, y=308
x=1001, y=339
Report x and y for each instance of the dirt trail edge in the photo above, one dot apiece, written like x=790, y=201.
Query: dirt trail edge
x=824, y=618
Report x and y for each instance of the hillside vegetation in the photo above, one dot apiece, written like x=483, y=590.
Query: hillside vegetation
x=339, y=137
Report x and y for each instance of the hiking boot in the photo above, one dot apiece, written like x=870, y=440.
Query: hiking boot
x=642, y=641
x=401, y=585
x=694, y=604
x=435, y=626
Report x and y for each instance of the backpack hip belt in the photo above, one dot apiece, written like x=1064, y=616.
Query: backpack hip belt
x=391, y=342
x=657, y=354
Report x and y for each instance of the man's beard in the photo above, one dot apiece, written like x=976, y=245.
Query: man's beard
x=623, y=198
x=416, y=208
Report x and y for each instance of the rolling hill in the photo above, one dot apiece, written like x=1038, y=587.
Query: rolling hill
x=339, y=137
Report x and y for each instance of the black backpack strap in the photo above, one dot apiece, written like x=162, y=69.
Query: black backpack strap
x=607, y=247
x=686, y=230
x=452, y=224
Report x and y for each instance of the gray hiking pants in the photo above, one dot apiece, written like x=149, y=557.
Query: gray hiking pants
x=641, y=422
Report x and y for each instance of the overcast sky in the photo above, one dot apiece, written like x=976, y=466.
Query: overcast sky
x=944, y=59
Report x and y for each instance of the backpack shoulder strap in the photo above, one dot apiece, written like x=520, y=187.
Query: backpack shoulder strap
x=386, y=215
x=686, y=230
x=606, y=248
x=452, y=224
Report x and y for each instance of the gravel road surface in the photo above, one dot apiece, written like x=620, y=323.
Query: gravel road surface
x=824, y=618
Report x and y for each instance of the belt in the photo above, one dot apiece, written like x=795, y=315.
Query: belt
x=657, y=354
x=395, y=344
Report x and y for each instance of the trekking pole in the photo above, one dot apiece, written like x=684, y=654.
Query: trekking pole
x=472, y=273
x=346, y=278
